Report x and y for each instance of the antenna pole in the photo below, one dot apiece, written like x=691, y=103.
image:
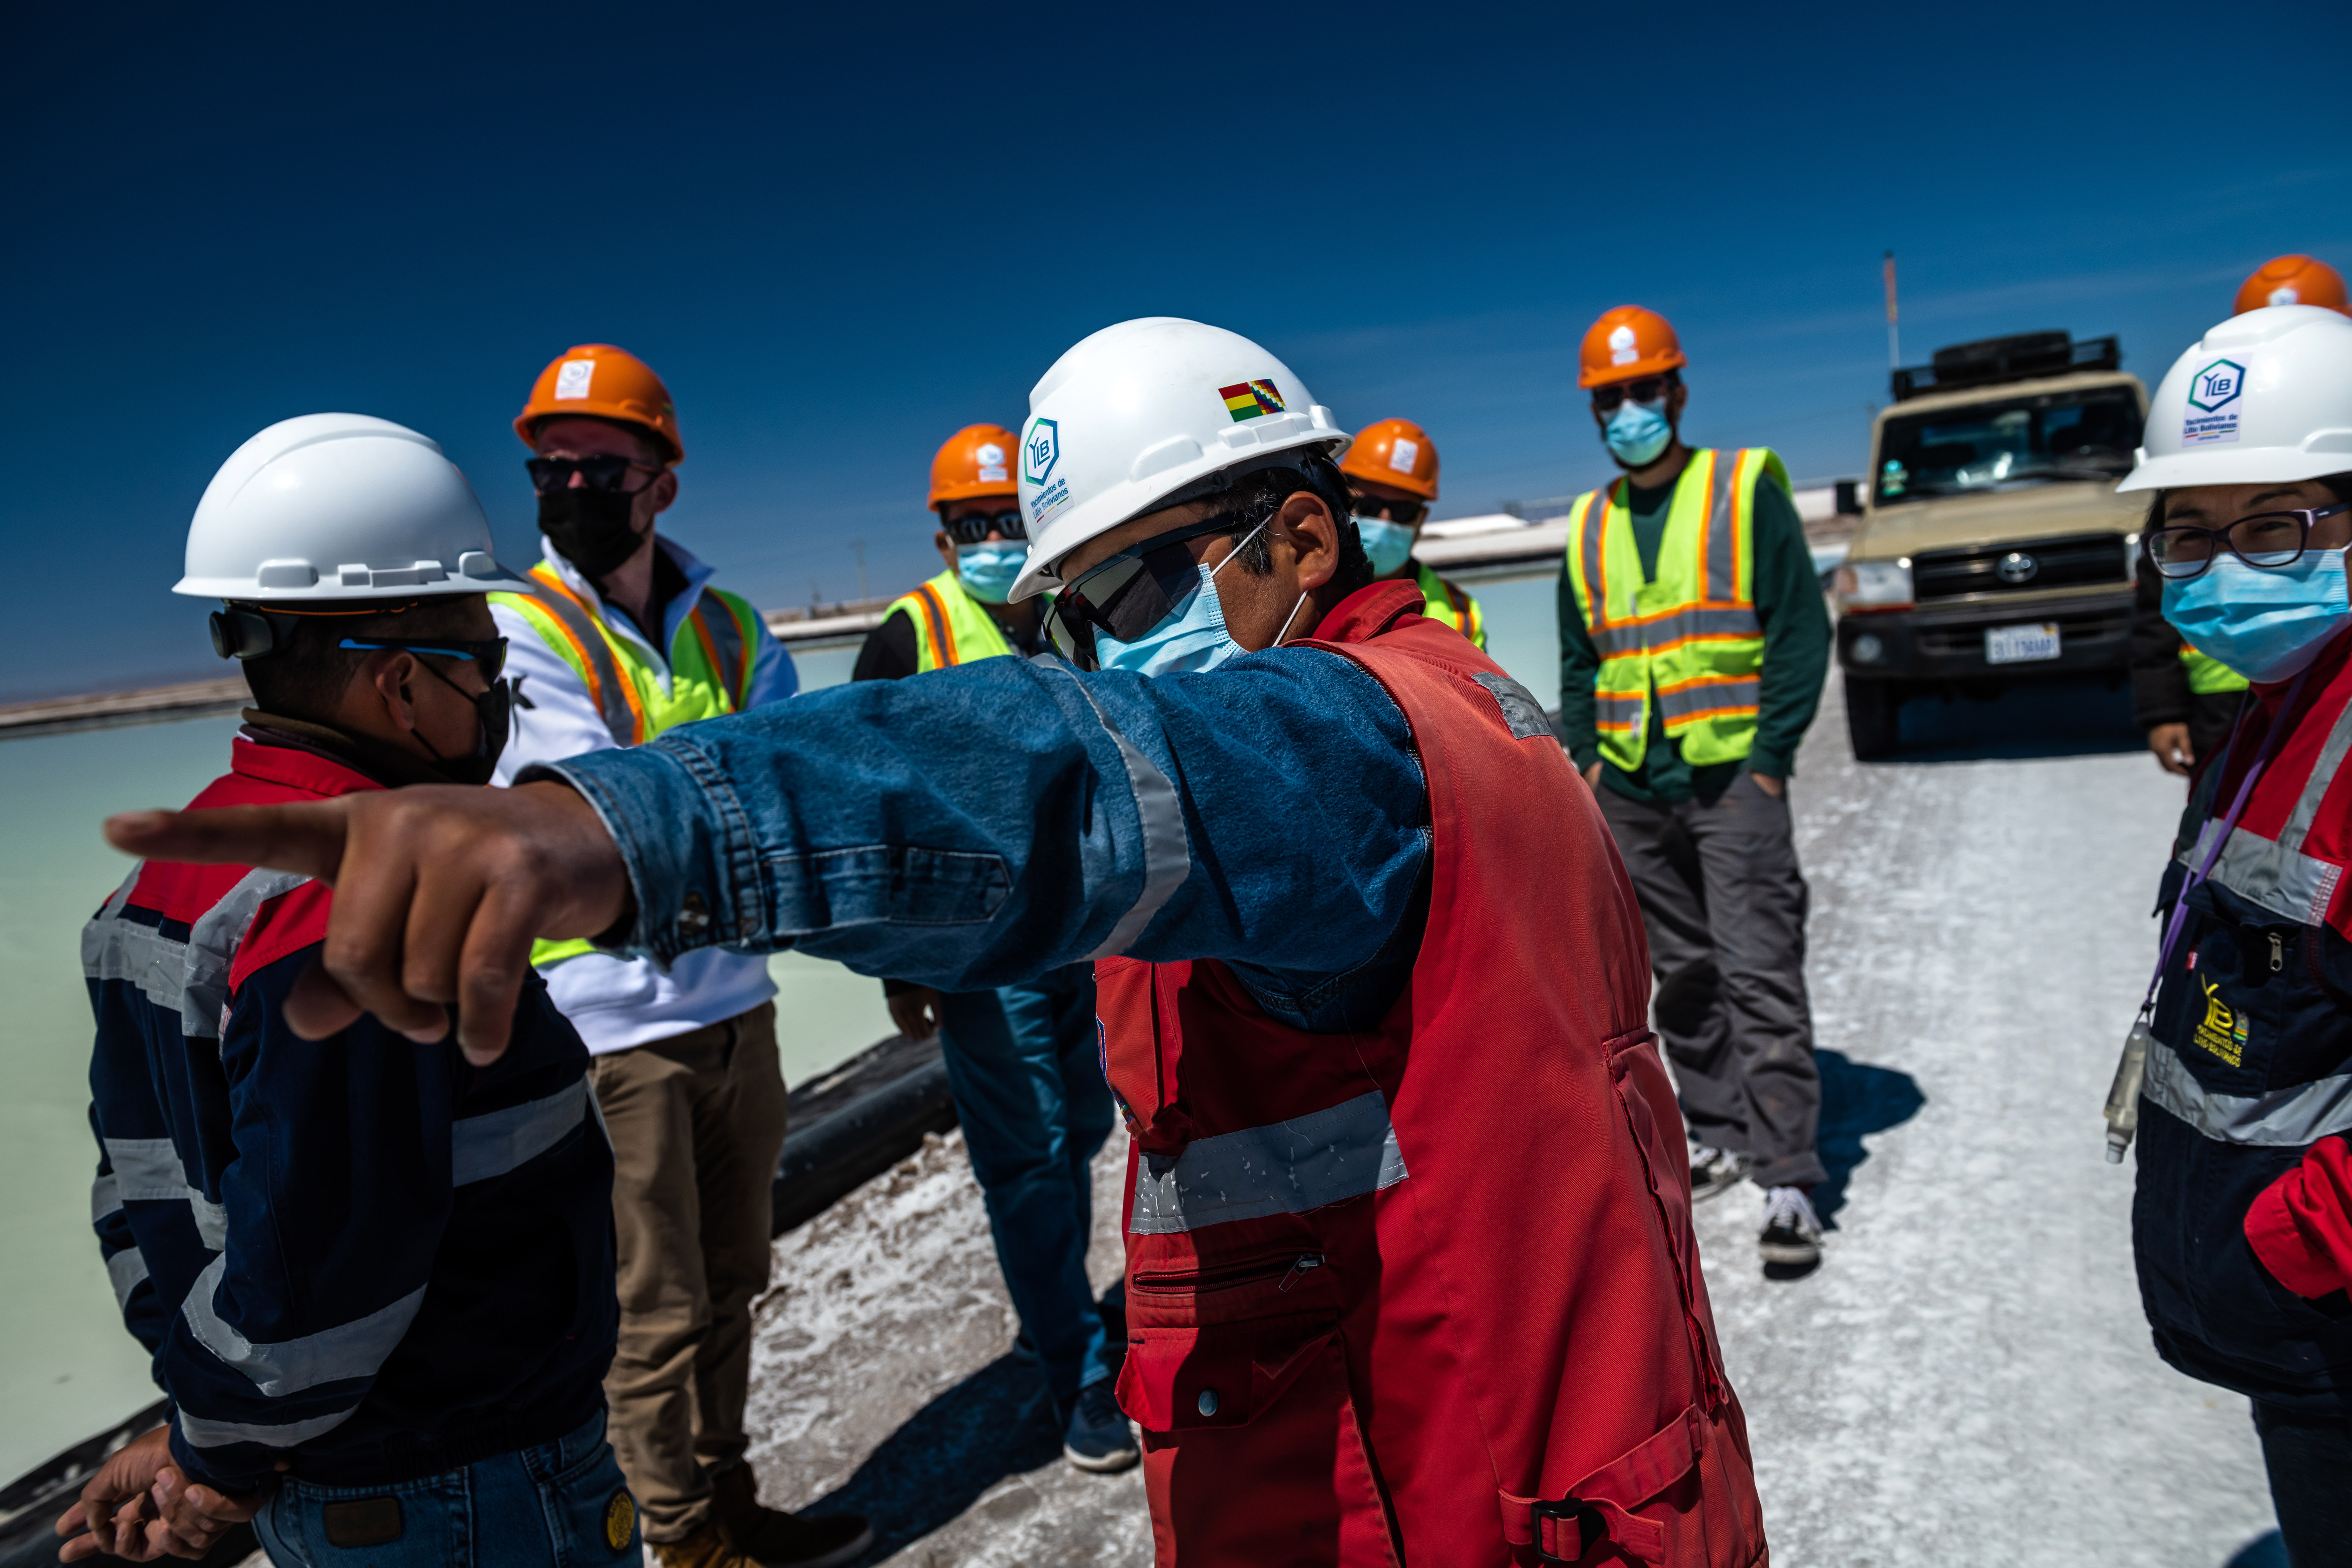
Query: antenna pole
x=1893, y=332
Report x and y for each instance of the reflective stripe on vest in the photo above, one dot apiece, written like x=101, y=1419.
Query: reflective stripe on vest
x=711, y=661
x=2274, y=874
x=1442, y=601
x=2208, y=674
x=1289, y=1167
x=1691, y=635
x=610, y=690
x=2284, y=1118
x=2277, y=876
x=952, y=627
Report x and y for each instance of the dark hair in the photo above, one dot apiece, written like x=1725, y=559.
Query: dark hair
x=1256, y=497
x=2338, y=485
x=305, y=673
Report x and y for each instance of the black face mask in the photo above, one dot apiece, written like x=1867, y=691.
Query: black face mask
x=590, y=527
x=495, y=709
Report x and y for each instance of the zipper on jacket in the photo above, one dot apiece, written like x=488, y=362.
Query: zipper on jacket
x=2278, y=958
x=1250, y=1271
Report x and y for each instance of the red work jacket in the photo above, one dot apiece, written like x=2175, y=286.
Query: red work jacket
x=1428, y=1294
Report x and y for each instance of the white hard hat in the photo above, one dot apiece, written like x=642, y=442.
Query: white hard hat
x=338, y=506
x=1137, y=412
x=2265, y=395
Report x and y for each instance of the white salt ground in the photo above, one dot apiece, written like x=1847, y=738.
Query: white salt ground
x=1967, y=1380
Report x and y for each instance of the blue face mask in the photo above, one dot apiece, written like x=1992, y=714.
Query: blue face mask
x=1189, y=639
x=987, y=568
x=2266, y=626
x=1638, y=432
x=1388, y=543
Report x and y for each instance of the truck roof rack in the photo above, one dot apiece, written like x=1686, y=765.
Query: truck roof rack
x=2019, y=357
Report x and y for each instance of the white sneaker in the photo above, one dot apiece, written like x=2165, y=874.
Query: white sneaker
x=1715, y=1171
x=1792, y=1231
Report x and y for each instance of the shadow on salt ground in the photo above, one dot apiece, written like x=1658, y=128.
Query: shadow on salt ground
x=2051, y=717
x=996, y=1423
x=1857, y=1098
x=2264, y=1551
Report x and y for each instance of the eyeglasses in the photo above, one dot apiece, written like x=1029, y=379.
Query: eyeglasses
x=597, y=473
x=1128, y=595
x=490, y=655
x=975, y=526
x=1404, y=513
x=2268, y=539
x=1610, y=399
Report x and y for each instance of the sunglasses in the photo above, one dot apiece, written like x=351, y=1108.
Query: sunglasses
x=490, y=655
x=599, y=473
x=1128, y=595
x=1649, y=389
x=1406, y=513
x=2267, y=540
x=973, y=527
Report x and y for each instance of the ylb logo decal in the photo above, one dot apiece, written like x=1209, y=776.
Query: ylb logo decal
x=2217, y=385
x=1040, y=450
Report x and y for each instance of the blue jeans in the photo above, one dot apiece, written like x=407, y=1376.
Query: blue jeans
x=562, y=1503
x=1029, y=1091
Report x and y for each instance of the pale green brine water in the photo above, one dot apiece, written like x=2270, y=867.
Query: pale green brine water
x=67, y=1367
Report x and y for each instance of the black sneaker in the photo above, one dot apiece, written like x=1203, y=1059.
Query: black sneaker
x=1792, y=1232
x=1715, y=1171
x=1099, y=1438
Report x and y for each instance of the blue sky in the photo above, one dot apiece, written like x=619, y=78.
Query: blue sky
x=842, y=233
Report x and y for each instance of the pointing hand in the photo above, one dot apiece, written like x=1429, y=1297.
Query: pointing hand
x=439, y=890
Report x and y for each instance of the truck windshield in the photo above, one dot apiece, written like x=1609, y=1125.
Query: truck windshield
x=2005, y=442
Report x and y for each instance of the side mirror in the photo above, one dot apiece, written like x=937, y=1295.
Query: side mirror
x=1849, y=497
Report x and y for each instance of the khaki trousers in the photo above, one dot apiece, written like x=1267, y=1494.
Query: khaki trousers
x=697, y=1121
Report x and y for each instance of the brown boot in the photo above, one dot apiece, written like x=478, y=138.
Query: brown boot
x=782, y=1540
x=706, y=1548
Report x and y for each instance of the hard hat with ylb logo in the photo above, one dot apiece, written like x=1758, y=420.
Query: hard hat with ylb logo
x=1397, y=453
x=598, y=381
x=2264, y=396
x=2293, y=281
x=1140, y=411
x=976, y=461
x=1627, y=343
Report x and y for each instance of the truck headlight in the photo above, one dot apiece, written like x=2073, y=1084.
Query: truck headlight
x=1874, y=584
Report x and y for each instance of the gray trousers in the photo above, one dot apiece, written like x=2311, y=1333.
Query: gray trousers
x=1723, y=904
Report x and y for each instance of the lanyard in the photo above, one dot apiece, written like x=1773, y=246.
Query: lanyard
x=2229, y=824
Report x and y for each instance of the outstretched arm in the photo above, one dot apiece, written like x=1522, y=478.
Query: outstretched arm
x=974, y=828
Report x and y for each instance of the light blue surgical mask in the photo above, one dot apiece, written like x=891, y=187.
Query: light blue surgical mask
x=1388, y=543
x=2265, y=624
x=1192, y=637
x=987, y=568
x=1638, y=432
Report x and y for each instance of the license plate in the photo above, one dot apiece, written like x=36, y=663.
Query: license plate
x=2021, y=645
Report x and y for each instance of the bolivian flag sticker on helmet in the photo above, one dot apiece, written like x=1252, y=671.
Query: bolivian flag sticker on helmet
x=1249, y=399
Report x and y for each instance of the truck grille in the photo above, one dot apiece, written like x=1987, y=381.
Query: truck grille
x=2056, y=564
x=2073, y=631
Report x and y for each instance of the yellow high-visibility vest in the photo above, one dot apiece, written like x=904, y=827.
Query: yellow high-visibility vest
x=1442, y=601
x=2208, y=674
x=711, y=661
x=1692, y=637
x=951, y=626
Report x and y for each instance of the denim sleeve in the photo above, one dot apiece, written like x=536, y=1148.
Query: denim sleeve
x=980, y=826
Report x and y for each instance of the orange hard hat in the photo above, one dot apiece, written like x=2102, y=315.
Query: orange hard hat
x=2293, y=281
x=1394, y=452
x=1627, y=343
x=598, y=381
x=976, y=461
